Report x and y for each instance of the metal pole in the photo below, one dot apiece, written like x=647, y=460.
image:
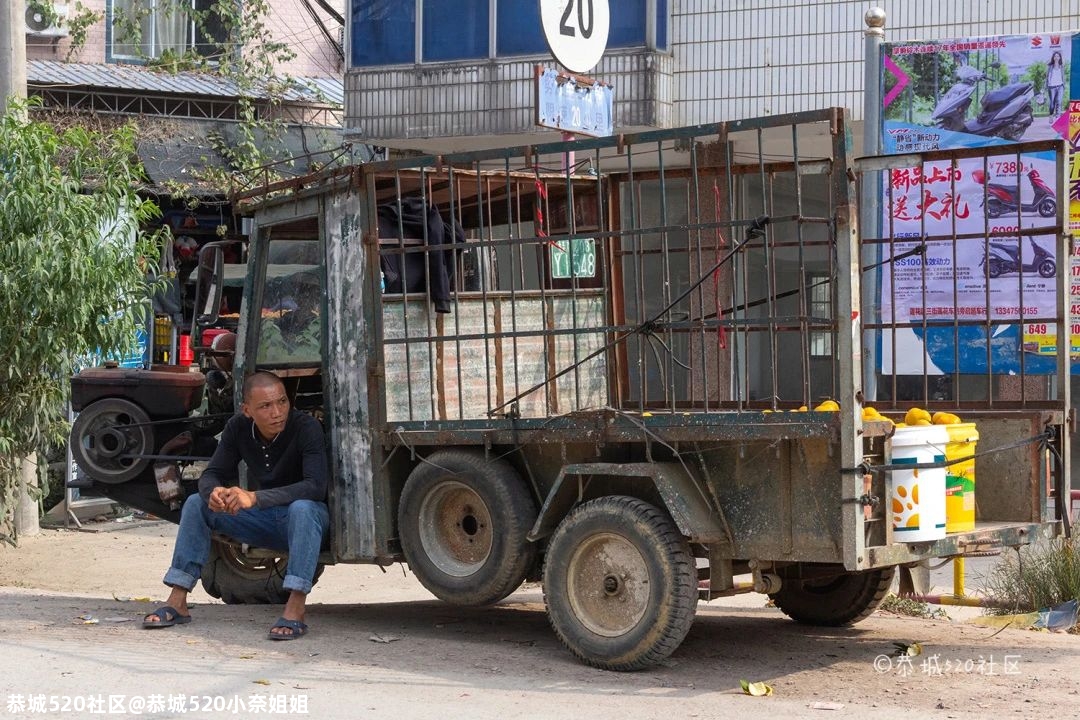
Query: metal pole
x=13, y=85
x=12, y=52
x=870, y=200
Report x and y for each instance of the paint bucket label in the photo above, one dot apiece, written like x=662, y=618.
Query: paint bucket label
x=917, y=496
x=960, y=480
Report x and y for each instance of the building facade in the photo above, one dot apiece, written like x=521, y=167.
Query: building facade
x=312, y=33
x=410, y=80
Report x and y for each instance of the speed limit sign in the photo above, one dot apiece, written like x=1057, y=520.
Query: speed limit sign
x=576, y=31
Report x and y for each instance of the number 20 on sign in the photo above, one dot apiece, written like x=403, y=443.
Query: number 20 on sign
x=576, y=31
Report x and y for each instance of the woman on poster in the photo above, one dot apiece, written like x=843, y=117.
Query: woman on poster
x=1055, y=83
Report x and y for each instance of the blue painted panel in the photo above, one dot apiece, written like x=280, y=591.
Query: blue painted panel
x=455, y=30
x=627, y=24
x=518, y=28
x=383, y=32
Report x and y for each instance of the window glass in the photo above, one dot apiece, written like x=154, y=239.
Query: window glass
x=383, y=32
x=455, y=30
x=145, y=29
x=518, y=30
x=291, y=329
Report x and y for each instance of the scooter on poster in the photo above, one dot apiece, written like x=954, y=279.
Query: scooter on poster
x=1006, y=199
x=1005, y=258
x=1004, y=112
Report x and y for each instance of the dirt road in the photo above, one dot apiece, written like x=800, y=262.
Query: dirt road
x=381, y=647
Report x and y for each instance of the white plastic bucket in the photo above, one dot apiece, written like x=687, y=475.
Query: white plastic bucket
x=917, y=497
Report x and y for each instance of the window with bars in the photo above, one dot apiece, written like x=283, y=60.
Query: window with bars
x=819, y=289
x=395, y=32
x=142, y=30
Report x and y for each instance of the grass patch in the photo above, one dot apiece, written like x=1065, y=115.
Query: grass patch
x=1038, y=577
x=912, y=608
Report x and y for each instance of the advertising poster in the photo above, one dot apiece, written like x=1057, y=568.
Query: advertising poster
x=975, y=92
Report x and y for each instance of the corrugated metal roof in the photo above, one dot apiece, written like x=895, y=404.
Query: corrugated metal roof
x=318, y=90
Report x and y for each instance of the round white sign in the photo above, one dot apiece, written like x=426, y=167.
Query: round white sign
x=576, y=31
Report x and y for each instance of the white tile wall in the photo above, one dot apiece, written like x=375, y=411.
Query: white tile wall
x=745, y=58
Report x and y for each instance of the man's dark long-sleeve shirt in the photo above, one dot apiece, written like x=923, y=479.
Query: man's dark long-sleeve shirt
x=290, y=467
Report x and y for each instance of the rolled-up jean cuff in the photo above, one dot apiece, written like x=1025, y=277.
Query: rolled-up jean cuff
x=295, y=582
x=180, y=579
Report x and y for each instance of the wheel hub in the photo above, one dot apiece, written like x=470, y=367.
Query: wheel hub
x=108, y=443
x=455, y=528
x=106, y=435
x=608, y=584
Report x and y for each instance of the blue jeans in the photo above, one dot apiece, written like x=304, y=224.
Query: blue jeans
x=1055, y=98
x=299, y=529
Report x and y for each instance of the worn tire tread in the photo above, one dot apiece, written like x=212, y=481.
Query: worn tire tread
x=850, y=605
x=518, y=513
x=671, y=547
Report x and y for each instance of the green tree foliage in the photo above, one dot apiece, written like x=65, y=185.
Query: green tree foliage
x=234, y=42
x=72, y=268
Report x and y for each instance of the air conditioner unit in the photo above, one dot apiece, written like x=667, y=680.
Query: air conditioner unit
x=39, y=24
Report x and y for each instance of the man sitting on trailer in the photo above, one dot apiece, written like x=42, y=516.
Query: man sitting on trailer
x=285, y=452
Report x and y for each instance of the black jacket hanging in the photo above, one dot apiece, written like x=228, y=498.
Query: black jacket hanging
x=408, y=272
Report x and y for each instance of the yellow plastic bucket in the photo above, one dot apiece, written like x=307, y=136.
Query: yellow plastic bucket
x=960, y=480
x=917, y=497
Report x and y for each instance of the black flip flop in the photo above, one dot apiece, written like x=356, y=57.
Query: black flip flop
x=298, y=628
x=167, y=617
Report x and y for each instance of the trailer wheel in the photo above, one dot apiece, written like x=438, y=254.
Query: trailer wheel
x=842, y=600
x=620, y=584
x=237, y=579
x=463, y=519
x=104, y=433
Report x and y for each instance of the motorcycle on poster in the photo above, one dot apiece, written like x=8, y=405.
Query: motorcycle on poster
x=975, y=92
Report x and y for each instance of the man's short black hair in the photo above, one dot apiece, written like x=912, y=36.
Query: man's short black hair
x=260, y=379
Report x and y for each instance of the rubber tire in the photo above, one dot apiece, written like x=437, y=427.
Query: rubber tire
x=833, y=602
x=994, y=269
x=1047, y=208
x=994, y=208
x=236, y=579
x=671, y=582
x=1047, y=268
x=487, y=509
x=138, y=439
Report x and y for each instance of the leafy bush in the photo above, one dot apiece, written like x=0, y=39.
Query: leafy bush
x=73, y=259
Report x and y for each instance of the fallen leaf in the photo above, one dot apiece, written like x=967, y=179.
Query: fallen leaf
x=756, y=689
x=376, y=637
x=260, y=681
x=246, y=657
x=117, y=619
